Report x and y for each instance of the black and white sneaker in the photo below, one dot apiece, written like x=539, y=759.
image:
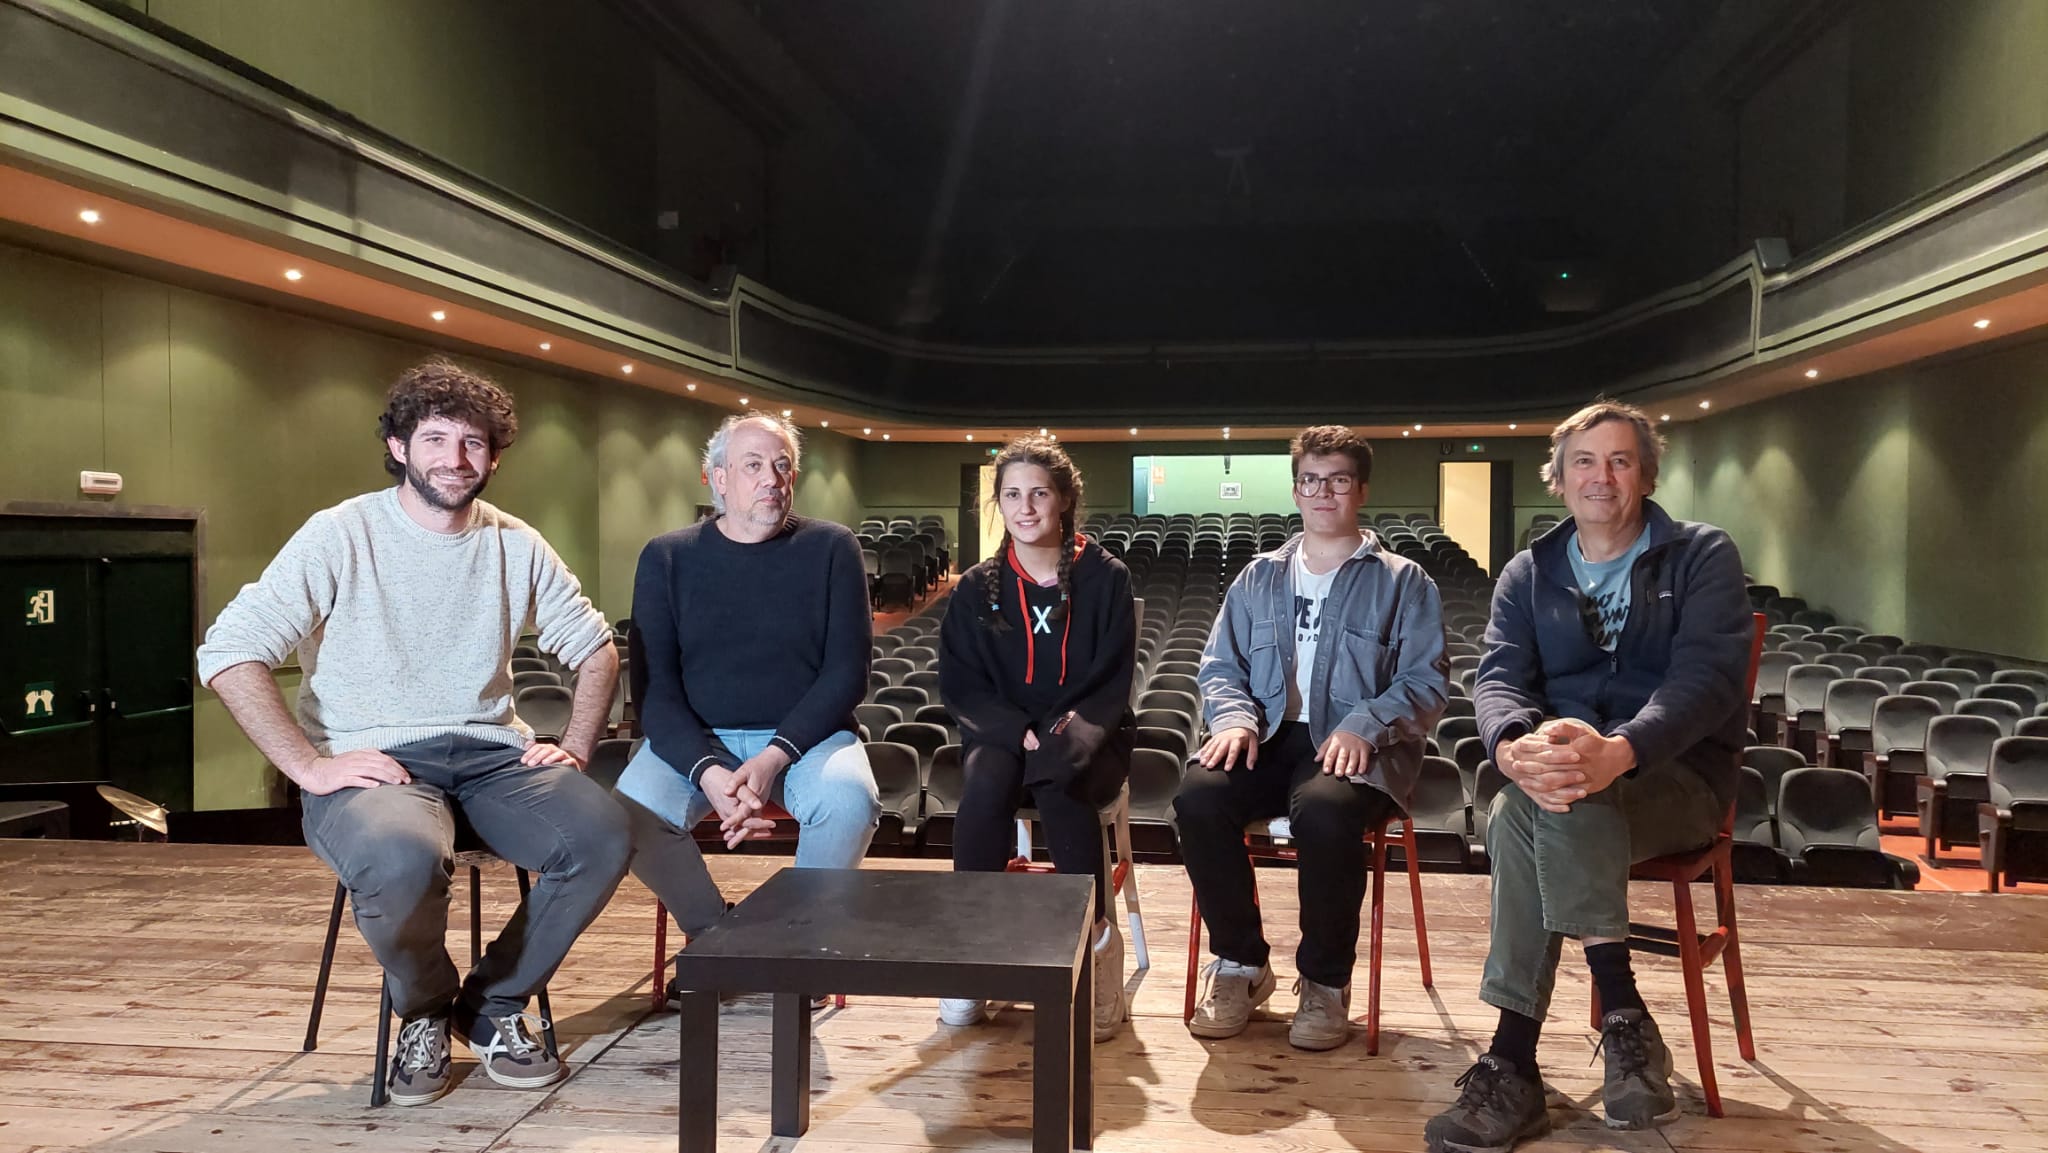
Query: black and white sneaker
x=511, y=1054
x=420, y=1074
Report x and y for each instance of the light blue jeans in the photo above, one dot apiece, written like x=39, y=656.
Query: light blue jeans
x=830, y=791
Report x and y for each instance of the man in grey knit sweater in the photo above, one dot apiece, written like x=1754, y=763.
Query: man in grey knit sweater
x=404, y=605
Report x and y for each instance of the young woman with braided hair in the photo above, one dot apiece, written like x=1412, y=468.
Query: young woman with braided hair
x=1036, y=657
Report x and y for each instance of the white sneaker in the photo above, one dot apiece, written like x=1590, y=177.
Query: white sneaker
x=962, y=1010
x=1234, y=990
x=1110, y=1005
x=1322, y=1019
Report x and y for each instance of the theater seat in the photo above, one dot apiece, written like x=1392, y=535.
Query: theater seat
x=1827, y=826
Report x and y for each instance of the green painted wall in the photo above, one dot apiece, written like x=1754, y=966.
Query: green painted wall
x=1194, y=483
x=1906, y=501
x=260, y=417
x=556, y=102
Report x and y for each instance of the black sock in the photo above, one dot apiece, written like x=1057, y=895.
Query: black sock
x=1515, y=1041
x=1613, y=978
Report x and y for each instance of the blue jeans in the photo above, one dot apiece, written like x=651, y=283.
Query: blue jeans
x=830, y=791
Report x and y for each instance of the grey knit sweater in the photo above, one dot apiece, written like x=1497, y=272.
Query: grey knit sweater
x=405, y=633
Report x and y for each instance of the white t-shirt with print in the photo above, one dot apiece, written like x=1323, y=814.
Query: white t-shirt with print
x=1311, y=596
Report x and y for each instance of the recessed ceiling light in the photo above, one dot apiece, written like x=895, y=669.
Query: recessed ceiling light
x=627, y=369
x=885, y=436
x=294, y=274
x=546, y=345
x=690, y=387
x=1813, y=374
x=1134, y=432
x=787, y=412
x=1982, y=322
x=1405, y=432
x=970, y=436
x=867, y=431
x=90, y=216
x=1418, y=428
x=743, y=402
x=824, y=424
x=1044, y=432
x=1706, y=404
x=1666, y=416
x=1512, y=426
x=437, y=314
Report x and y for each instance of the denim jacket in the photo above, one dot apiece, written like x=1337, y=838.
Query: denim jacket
x=1380, y=670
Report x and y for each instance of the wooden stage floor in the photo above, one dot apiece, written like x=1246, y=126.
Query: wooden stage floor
x=154, y=998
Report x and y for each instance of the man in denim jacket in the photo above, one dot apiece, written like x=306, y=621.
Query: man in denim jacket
x=1322, y=676
x=1612, y=698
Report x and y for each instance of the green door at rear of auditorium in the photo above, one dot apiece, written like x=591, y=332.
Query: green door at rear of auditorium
x=95, y=662
x=49, y=686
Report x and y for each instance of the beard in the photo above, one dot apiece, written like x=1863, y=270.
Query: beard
x=440, y=499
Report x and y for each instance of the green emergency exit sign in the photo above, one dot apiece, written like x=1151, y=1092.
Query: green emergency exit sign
x=1475, y=446
x=41, y=606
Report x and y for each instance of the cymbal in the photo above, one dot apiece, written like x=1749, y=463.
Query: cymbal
x=148, y=814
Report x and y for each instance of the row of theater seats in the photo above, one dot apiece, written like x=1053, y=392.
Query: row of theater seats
x=904, y=560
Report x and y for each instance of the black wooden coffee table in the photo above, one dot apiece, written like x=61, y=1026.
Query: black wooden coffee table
x=878, y=932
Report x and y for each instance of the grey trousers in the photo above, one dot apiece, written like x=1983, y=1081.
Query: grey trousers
x=393, y=847
x=1558, y=875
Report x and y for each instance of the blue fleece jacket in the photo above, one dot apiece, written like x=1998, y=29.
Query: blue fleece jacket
x=1674, y=683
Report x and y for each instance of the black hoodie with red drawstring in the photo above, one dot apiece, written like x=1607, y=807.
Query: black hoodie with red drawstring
x=1065, y=676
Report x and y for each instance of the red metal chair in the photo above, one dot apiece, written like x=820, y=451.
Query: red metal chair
x=1276, y=849
x=659, y=993
x=1694, y=951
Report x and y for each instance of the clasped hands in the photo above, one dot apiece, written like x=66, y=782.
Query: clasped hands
x=738, y=795
x=1563, y=761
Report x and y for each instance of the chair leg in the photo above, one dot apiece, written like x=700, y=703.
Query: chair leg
x=1696, y=993
x=326, y=969
x=660, y=954
x=1372, y=965
x=476, y=916
x=378, y=1093
x=1731, y=957
x=1415, y=892
x=547, y=1014
x=1127, y=884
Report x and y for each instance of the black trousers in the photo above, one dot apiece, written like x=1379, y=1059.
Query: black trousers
x=1330, y=816
x=985, y=830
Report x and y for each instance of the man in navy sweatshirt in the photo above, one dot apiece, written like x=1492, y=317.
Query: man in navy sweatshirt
x=754, y=634
x=1612, y=696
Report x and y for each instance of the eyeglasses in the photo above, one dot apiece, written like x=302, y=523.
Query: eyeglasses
x=1309, y=484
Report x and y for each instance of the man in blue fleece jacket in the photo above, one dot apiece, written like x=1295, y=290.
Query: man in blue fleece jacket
x=1612, y=697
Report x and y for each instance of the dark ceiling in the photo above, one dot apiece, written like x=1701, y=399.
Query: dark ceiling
x=1089, y=170
x=1080, y=97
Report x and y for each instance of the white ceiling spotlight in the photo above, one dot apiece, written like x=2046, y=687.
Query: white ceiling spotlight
x=1813, y=374
x=438, y=315
x=1982, y=323
x=294, y=274
x=1705, y=404
x=90, y=216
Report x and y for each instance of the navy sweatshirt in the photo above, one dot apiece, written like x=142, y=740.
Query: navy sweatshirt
x=1674, y=683
x=774, y=635
x=999, y=682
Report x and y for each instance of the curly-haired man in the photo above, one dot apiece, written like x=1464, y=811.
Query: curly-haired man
x=404, y=605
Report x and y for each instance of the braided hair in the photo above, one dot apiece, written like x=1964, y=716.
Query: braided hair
x=1048, y=455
